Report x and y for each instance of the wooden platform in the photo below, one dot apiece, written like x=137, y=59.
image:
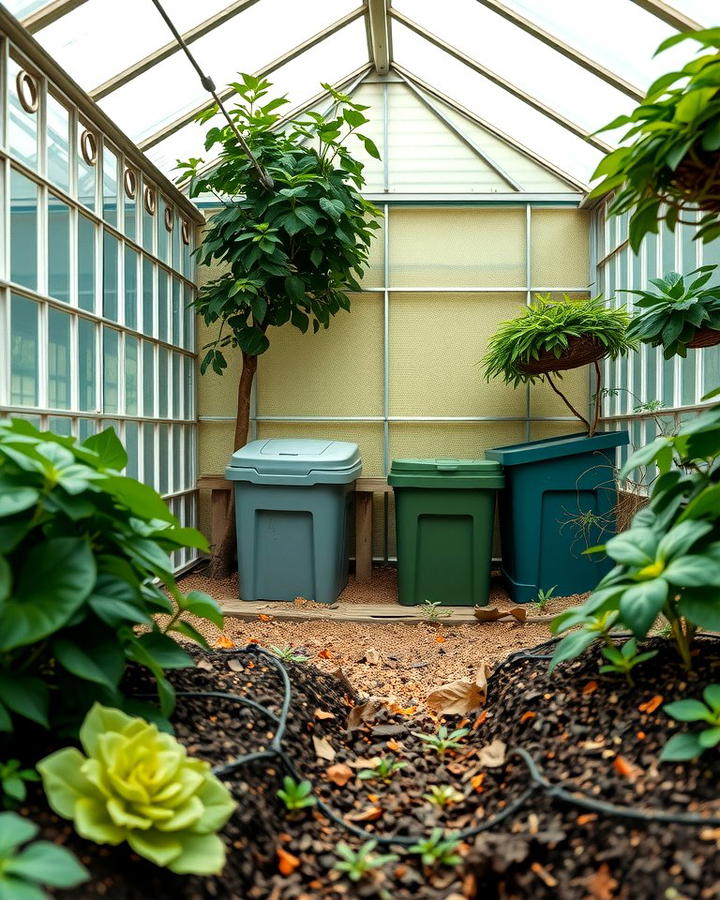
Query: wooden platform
x=341, y=612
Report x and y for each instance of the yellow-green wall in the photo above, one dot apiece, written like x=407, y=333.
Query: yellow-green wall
x=435, y=339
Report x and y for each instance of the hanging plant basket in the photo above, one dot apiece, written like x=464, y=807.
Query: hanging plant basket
x=695, y=182
x=705, y=337
x=581, y=351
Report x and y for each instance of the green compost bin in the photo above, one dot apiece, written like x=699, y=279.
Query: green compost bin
x=559, y=499
x=444, y=514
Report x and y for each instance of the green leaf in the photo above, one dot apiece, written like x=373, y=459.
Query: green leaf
x=54, y=581
x=635, y=547
x=646, y=455
x=204, y=606
x=102, y=664
x=189, y=631
x=108, y=447
x=14, y=830
x=49, y=864
x=26, y=696
x=711, y=695
x=116, y=602
x=572, y=645
x=710, y=737
x=707, y=502
x=641, y=604
x=693, y=571
x=687, y=711
x=139, y=498
x=5, y=579
x=701, y=606
x=166, y=652
x=681, y=538
x=681, y=747
x=16, y=498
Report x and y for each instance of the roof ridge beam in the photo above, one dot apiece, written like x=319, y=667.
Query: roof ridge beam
x=590, y=65
x=49, y=13
x=185, y=119
x=501, y=82
x=169, y=49
x=668, y=14
x=378, y=25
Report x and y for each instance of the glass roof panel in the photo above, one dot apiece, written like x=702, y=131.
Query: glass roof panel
x=244, y=44
x=22, y=8
x=494, y=105
x=521, y=59
x=619, y=35
x=704, y=12
x=298, y=80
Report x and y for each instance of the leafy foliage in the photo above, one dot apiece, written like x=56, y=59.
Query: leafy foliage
x=437, y=850
x=296, y=795
x=676, y=126
x=24, y=869
x=290, y=254
x=80, y=548
x=358, y=864
x=288, y=654
x=443, y=795
x=672, y=317
x=433, y=611
x=693, y=743
x=668, y=561
x=544, y=597
x=547, y=326
x=383, y=770
x=12, y=782
x=624, y=659
x=137, y=784
x=443, y=740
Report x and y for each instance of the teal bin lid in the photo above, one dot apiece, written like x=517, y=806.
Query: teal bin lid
x=557, y=447
x=446, y=473
x=295, y=461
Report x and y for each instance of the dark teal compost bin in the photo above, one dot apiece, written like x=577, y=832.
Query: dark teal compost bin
x=559, y=499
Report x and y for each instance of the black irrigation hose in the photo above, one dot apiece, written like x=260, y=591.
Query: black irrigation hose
x=539, y=782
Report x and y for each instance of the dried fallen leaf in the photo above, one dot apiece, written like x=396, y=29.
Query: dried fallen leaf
x=518, y=612
x=527, y=715
x=492, y=755
x=339, y=774
x=402, y=710
x=235, y=665
x=323, y=714
x=487, y=613
x=287, y=863
x=264, y=617
x=590, y=687
x=369, y=814
x=323, y=748
x=476, y=782
x=225, y=642
x=601, y=885
x=394, y=745
x=625, y=768
x=363, y=712
x=439, y=639
x=205, y=664
x=651, y=705
x=324, y=653
x=457, y=698
x=373, y=798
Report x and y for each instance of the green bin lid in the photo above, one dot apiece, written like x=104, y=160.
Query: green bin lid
x=477, y=467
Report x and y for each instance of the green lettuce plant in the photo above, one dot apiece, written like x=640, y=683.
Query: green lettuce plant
x=84, y=552
x=668, y=561
x=137, y=784
x=25, y=869
x=693, y=743
x=13, y=779
x=681, y=307
x=668, y=165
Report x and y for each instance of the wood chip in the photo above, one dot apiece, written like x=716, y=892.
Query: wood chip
x=323, y=748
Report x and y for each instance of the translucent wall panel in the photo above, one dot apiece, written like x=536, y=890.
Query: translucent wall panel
x=457, y=440
x=59, y=353
x=23, y=230
x=24, y=355
x=86, y=261
x=22, y=125
x=58, y=143
x=560, y=250
x=58, y=249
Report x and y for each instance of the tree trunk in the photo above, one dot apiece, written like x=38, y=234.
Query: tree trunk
x=223, y=558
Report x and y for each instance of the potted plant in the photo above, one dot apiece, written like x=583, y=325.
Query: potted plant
x=287, y=251
x=669, y=166
x=560, y=495
x=684, y=313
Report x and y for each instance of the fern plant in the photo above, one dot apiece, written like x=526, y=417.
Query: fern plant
x=548, y=327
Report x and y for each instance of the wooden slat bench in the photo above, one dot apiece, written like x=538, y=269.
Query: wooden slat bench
x=365, y=488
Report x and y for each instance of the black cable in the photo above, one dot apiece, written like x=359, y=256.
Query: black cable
x=209, y=86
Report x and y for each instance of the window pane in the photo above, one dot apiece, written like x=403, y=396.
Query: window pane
x=58, y=359
x=110, y=368
x=131, y=266
x=175, y=259
x=86, y=365
x=110, y=186
x=22, y=126
x=188, y=388
x=86, y=427
x=148, y=222
x=110, y=276
x=86, y=264
x=23, y=352
x=148, y=325
x=148, y=379
x=86, y=175
x=162, y=305
x=177, y=482
x=131, y=213
x=58, y=144
x=60, y=425
x=177, y=313
x=23, y=230
x=164, y=460
x=189, y=336
x=162, y=383
x=131, y=382
x=132, y=435
x=162, y=233
x=177, y=392
x=58, y=249
x=149, y=454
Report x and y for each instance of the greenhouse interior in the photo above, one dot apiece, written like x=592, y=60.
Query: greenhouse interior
x=360, y=449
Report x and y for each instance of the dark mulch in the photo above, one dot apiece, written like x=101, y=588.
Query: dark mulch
x=582, y=728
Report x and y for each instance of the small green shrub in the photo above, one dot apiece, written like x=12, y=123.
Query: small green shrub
x=383, y=770
x=693, y=743
x=433, y=612
x=672, y=317
x=544, y=597
x=80, y=549
x=443, y=795
x=24, y=869
x=358, y=864
x=437, y=850
x=623, y=660
x=137, y=784
x=443, y=740
x=296, y=795
x=12, y=782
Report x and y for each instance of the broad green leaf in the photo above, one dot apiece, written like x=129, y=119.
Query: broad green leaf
x=26, y=696
x=56, y=578
x=681, y=747
x=693, y=571
x=635, y=547
x=204, y=606
x=138, y=498
x=189, y=631
x=706, y=503
x=109, y=449
x=641, y=604
x=710, y=737
x=701, y=606
x=16, y=498
x=102, y=664
x=572, y=645
x=5, y=579
x=711, y=695
x=49, y=864
x=681, y=538
x=687, y=711
x=116, y=602
x=166, y=652
x=14, y=830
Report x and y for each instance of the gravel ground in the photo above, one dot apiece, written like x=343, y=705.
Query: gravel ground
x=410, y=660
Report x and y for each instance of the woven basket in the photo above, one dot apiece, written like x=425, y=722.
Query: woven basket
x=581, y=352
x=705, y=337
x=697, y=180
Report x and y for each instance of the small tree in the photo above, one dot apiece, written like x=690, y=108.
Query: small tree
x=290, y=253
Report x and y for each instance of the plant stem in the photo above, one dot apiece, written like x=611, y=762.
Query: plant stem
x=567, y=402
x=597, y=403
x=681, y=639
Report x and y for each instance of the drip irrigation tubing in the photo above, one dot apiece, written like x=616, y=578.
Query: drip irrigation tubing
x=539, y=783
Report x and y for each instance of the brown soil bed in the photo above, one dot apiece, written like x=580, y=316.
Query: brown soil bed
x=584, y=730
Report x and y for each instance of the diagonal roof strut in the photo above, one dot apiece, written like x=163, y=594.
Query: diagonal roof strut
x=378, y=26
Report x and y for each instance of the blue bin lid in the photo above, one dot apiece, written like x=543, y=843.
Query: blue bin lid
x=303, y=459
